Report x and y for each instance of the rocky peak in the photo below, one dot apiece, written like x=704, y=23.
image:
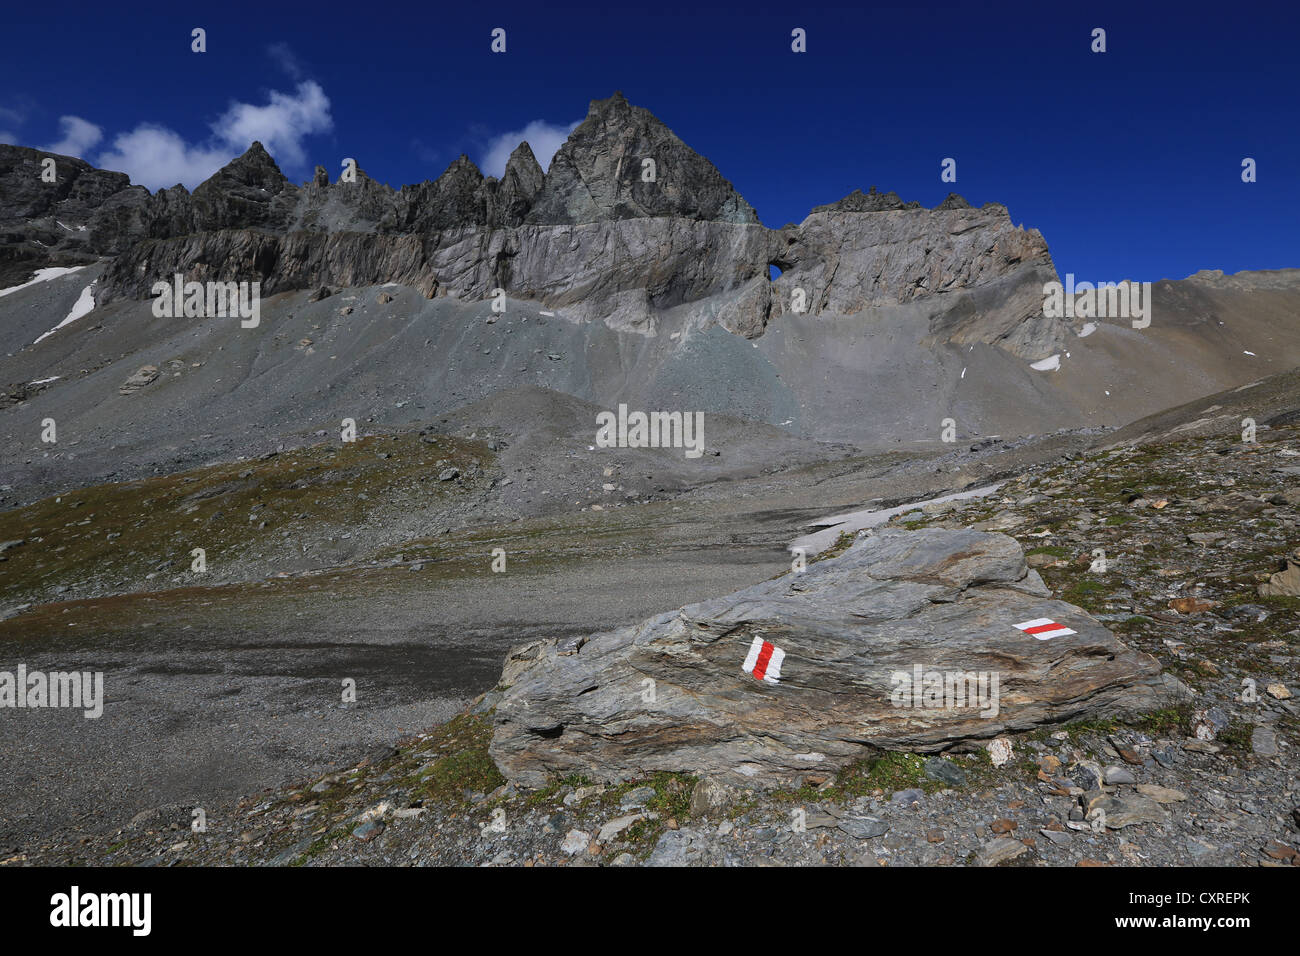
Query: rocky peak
x=872, y=201
x=520, y=183
x=241, y=194
x=78, y=189
x=524, y=168
x=953, y=202
x=456, y=198
x=254, y=169
x=44, y=223
x=601, y=172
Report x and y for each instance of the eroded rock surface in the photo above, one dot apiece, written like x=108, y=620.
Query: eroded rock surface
x=670, y=693
x=628, y=222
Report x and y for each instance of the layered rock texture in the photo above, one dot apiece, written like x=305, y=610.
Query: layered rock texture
x=628, y=222
x=857, y=631
x=654, y=280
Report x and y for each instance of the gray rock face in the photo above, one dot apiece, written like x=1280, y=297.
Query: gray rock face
x=670, y=693
x=983, y=276
x=78, y=191
x=593, y=272
x=601, y=172
x=1284, y=583
x=871, y=201
x=43, y=224
x=628, y=222
x=242, y=194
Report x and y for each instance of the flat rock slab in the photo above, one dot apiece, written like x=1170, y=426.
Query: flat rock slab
x=907, y=641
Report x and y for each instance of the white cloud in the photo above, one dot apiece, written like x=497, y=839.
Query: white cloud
x=8, y=137
x=78, y=137
x=281, y=124
x=156, y=157
x=287, y=60
x=542, y=137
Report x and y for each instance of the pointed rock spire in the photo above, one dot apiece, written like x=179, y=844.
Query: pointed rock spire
x=241, y=194
x=623, y=163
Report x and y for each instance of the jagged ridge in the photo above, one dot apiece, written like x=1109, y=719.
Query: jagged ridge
x=594, y=235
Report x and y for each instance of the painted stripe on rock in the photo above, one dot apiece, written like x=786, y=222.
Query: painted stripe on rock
x=1044, y=628
x=764, y=661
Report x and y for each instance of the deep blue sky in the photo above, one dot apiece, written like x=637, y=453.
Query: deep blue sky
x=1129, y=162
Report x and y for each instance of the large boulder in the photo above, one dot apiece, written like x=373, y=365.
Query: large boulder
x=672, y=694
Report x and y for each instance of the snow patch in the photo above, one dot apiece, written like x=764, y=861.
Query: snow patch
x=84, y=306
x=44, y=275
x=1047, y=365
x=854, y=521
x=1087, y=330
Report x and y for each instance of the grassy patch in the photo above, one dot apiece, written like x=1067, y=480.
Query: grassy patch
x=1170, y=721
x=320, y=845
x=1236, y=738
x=886, y=772
x=1087, y=594
x=108, y=538
x=1137, y=622
x=1055, y=550
x=463, y=765
x=842, y=544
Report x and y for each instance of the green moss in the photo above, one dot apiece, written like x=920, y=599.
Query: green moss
x=842, y=544
x=1170, y=721
x=1085, y=728
x=1236, y=738
x=1087, y=594
x=1055, y=550
x=321, y=845
x=885, y=772
x=111, y=536
x=461, y=763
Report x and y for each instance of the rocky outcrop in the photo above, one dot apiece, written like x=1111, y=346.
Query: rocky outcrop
x=300, y=260
x=242, y=195
x=856, y=631
x=982, y=275
x=617, y=272
x=78, y=190
x=628, y=221
x=1284, y=583
x=49, y=223
x=623, y=163
x=871, y=201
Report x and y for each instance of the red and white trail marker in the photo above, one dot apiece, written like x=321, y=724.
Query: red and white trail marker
x=1044, y=628
x=764, y=661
